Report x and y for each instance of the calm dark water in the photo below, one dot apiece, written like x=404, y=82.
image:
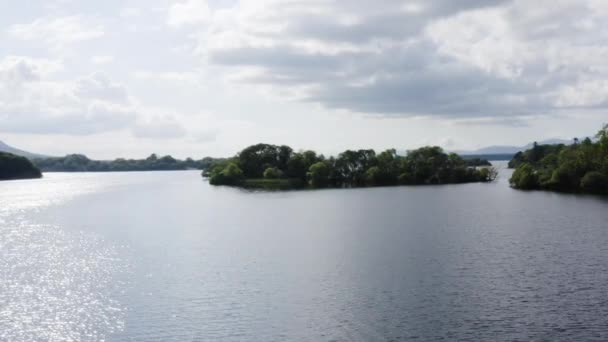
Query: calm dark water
x=166, y=257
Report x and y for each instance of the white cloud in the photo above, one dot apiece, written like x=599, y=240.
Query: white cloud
x=18, y=69
x=33, y=101
x=168, y=76
x=300, y=67
x=206, y=136
x=58, y=32
x=483, y=38
x=101, y=60
x=159, y=127
x=188, y=12
x=98, y=86
x=434, y=58
x=47, y=106
x=130, y=12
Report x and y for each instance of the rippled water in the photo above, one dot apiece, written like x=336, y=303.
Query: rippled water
x=165, y=257
x=54, y=283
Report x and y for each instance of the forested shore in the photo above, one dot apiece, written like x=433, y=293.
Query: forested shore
x=580, y=168
x=81, y=163
x=16, y=167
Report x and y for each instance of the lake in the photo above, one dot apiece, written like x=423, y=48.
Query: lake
x=163, y=256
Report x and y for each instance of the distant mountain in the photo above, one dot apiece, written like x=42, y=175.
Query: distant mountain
x=12, y=150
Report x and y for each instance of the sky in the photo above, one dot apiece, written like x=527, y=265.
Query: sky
x=127, y=78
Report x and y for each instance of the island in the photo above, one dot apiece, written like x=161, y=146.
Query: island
x=265, y=166
x=477, y=161
x=16, y=167
x=579, y=168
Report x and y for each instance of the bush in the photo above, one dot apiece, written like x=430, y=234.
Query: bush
x=595, y=182
x=524, y=178
x=488, y=174
x=273, y=173
x=318, y=174
x=231, y=174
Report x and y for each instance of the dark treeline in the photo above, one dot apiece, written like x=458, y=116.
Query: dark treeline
x=262, y=165
x=80, y=163
x=15, y=167
x=580, y=167
x=476, y=161
x=490, y=156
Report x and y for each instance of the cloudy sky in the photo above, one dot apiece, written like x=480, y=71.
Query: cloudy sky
x=207, y=77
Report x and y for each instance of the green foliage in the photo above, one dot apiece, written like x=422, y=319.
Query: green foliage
x=318, y=174
x=263, y=163
x=602, y=137
x=595, y=182
x=524, y=177
x=254, y=160
x=15, y=167
x=386, y=171
x=535, y=154
x=581, y=167
x=352, y=165
x=228, y=174
x=273, y=173
x=80, y=163
x=488, y=174
x=299, y=164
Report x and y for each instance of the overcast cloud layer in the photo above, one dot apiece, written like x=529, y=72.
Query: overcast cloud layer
x=208, y=77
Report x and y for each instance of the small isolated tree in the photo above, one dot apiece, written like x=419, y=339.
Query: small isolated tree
x=488, y=174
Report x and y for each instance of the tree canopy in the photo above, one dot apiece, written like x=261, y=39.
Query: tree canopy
x=580, y=167
x=15, y=167
x=81, y=163
x=351, y=168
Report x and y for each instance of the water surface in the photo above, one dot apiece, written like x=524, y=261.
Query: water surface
x=163, y=256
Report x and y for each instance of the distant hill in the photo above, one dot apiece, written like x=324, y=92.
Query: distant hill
x=9, y=149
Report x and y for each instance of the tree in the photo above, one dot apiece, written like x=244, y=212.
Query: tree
x=353, y=164
x=386, y=169
x=230, y=174
x=524, y=178
x=602, y=137
x=488, y=174
x=581, y=167
x=299, y=163
x=273, y=173
x=255, y=159
x=319, y=174
x=426, y=165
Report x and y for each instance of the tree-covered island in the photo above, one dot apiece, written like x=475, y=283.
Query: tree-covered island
x=15, y=167
x=279, y=167
x=581, y=167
